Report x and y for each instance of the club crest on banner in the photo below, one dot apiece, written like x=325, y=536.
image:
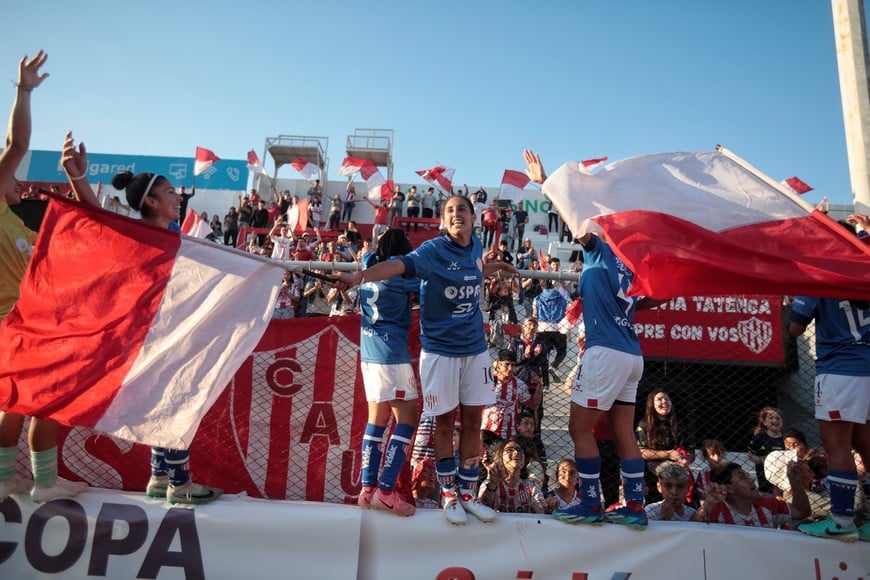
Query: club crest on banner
x=755, y=334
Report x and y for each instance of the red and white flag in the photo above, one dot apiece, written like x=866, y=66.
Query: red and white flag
x=710, y=224
x=254, y=165
x=381, y=192
x=137, y=342
x=797, y=185
x=306, y=168
x=591, y=164
x=439, y=174
x=512, y=184
x=297, y=216
x=195, y=226
x=354, y=165
x=204, y=159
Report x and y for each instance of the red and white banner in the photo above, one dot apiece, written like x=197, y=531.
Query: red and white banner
x=254, y=165
x=440, y=174
x=204, y=159
x=512, y=184
x=728, y=329
x=710, y=224
x=297, y=216
x=306, y=168
x=354, y=165
x=195, y=226
x=128, y=329
x=797, y=185
x=591, y=164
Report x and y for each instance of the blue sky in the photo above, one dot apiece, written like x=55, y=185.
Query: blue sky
x=467, y=84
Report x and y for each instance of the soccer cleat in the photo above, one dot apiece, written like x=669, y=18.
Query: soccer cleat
x=828, y=528
x=14, y=486
x=580, y=514
x=61, y=488
x=626, y=516
x=392, y=502
x=365, y=497
x=864, y=532
x=192, y=493
x=482, y=512
x=453, y=510
x=157, y=486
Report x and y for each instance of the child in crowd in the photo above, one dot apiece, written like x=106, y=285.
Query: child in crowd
x=567, y=492
x=510, y=393
x=734, y=498
x=673, y=484
x=713, y=451
x=766, y=437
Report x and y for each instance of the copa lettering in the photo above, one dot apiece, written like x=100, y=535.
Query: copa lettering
x=107, y=541
x=462, y=292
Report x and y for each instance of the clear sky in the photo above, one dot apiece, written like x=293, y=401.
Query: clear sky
x=466, y=84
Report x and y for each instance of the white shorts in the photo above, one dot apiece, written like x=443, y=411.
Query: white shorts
x=607, y=376
x=389, y=382
x=450, y=381
x=842, y=398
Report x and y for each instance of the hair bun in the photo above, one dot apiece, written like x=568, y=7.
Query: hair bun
x=122, y=180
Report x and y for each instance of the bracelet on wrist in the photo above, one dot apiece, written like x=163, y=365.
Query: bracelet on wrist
x=75, y=177
x=23, y=88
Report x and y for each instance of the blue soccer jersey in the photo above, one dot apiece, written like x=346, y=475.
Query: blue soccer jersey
x=842, y=334
x=608, y=311
x=385, y=316
x=451, y=323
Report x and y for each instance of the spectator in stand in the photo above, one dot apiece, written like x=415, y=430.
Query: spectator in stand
x=507, y=487
x=713, y=451
x=342, y=302
x=316, y=297
x=532, y=287
x=288, y=298
x=315, y=192
x=332, y=222
x=506, y=255
x=156, y=200
x=260, y=219
x=382, y=218
x=454, y=374
x=439, y=204
x=412, y=202
x=315, y=212
x=733, y=498
x=672, y=483
x=354, y=238
x=364, y=251
x=113, y=203
x=489, y=221
x=531, y=353
x=283, y=241
x=274, y=210
x=285, y=202
x=390, y=383
x=549, y=308
x=501, y=292
x=254, y=197
x=231, y=227
x=303, y=252
x=552, y=220
x=246, y=212
x=766, y=437
x=662, y=437
x=842, y=398
x=185, y=199
x=396, y=204
x=520, y=219
x=17, y=246
x=427, y=202
x=349, y=201
x=525, y=254
x=510, y=392
x=480, y=194
x=567, y=493
x=216, y=229
x=611, y=370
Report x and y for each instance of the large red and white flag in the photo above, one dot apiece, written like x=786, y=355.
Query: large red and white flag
x=512, y=184
x=204, y=159
x=354, y=165
x=439, y=174
x=710, y=224
x=306, y=168
x=381, y=192
x=797, y=185
x=254, y=165
x=137, y=341
x=195, y=226
x=297, y=216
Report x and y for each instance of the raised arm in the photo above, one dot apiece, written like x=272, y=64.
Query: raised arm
x=20, y=126
x=75, y=163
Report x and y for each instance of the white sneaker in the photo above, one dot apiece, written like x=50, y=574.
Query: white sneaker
x=14, y=486
x=482, y=512
x=61, y=488
x=192, y=493
x=453, y=510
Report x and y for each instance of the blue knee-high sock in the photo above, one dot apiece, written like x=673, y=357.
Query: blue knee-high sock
x=371, y=454
x=843, y=485
x=177, y=465
x=445, y=471
x=158, y=462
x=397, y=452
x=468, y=482
x=632, y=477
x=589, y=471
